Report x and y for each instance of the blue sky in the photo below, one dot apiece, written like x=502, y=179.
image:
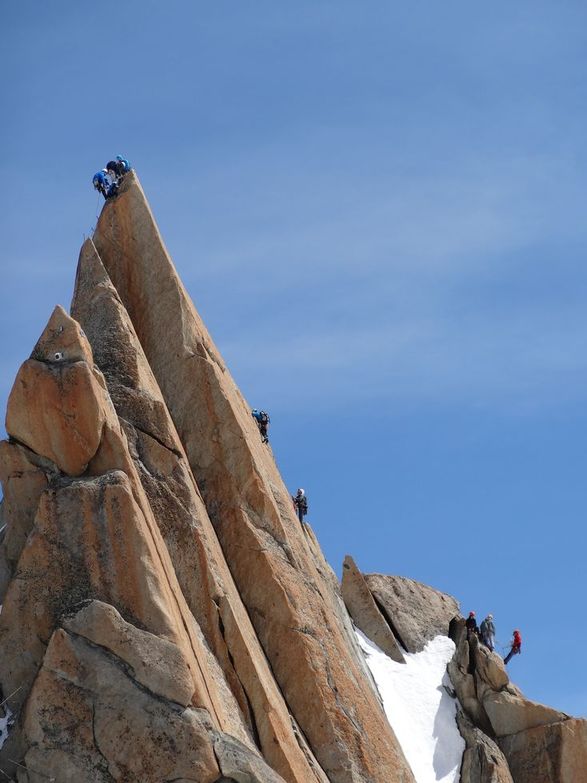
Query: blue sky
x=378, y=210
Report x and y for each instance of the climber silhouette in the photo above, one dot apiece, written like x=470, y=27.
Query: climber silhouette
x=488, y=632
x=101, y=182
x=263, y=421
x=516, y=648
x=471, y=625
x=300, y=502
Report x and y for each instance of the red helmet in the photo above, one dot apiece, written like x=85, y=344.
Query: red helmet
x=471, y=614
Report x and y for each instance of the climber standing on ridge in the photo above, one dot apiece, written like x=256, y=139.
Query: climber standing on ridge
x=488, y=632
x=263, y=421
x=300, y=502
x=516, y=647
x=471, y=625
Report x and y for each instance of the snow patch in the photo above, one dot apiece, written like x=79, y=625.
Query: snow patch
x=5, y=724
x=420, y=711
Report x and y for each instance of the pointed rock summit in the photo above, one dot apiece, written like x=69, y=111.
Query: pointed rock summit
x=296, y=614
x=165, y=616
x=57, y=404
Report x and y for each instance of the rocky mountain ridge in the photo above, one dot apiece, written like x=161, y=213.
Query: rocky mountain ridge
x=165, y=615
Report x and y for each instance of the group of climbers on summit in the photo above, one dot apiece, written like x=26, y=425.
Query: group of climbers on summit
x=107, y=181
x=486, y=633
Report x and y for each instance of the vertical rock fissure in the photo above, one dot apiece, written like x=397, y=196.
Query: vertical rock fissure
x=389, y=621
x=251, y=710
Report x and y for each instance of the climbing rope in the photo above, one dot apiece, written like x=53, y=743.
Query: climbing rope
x=11, y=695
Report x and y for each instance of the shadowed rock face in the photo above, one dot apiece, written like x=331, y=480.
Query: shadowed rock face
x=416, y=612
x=483, y=761
x=365, y=612
x=282, y=579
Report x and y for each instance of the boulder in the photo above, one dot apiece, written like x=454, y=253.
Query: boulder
x=89, y=719
x=489, y=669
x=293, y=603
x=364, y=611
x=240, y=765
x=415, y=612
x=553, y=753
x=510, y=713
x=57, y=405
x=155, y=662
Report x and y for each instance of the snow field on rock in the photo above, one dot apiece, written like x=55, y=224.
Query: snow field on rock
x=420, y=711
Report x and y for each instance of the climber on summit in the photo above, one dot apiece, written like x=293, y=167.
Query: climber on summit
x=101, y=182
x=471, y=625
x=263, y=420
x=488, y=632
x=516, y=648
x=115, y=169
x=124, y=164
x=300, y=502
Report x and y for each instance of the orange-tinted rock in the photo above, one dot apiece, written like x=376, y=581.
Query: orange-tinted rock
x=88, y=719
x=56, y=406
x=510, y=714
x=197, y=558
x=364, y=611
x=23, y=476
x=91, y=540
x=293, y=606
x=556, y=753
x=155, y=662
x=97, y=539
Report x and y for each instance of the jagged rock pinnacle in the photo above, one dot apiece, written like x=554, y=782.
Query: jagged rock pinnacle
x=298, y=616
x=198, y=560
x=165, y=615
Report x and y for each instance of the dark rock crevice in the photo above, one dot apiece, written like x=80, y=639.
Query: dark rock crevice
x=389, y=621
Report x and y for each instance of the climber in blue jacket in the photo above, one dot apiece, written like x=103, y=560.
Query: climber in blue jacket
x=101, y=182
x=262, y=419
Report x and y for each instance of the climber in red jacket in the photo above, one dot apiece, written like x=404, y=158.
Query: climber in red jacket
x=516, y=647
